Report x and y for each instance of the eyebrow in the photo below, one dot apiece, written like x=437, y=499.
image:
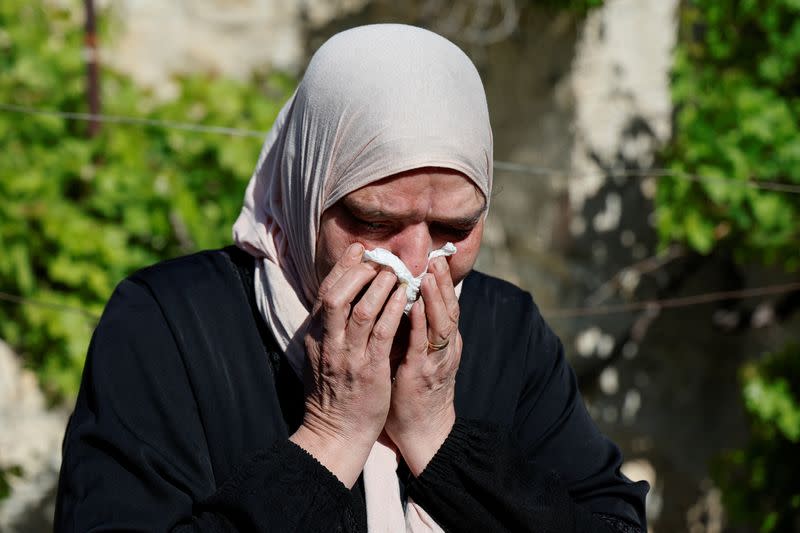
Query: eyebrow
x=458, y=221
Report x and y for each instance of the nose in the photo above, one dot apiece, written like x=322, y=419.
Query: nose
x=412, y=246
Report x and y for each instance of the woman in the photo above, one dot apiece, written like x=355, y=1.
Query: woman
x=464, y=416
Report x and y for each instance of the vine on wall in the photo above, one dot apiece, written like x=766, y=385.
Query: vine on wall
x=736, y=88
x=77, y=215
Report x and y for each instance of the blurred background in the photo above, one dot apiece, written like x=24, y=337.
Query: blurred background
x=647, y=167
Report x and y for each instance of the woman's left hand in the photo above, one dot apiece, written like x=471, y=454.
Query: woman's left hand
x=422, y=414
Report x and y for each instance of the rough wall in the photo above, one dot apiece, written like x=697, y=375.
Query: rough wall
x=620, y=83
x=158, y=39
x=30, y=442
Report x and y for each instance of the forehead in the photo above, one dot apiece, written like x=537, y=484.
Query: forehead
x=426, y=189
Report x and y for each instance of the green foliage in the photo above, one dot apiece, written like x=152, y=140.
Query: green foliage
x=78, y=215
x=736, y=86
x=760, y=483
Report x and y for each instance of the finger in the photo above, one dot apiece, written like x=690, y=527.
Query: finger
x=440, y=327
x=352, y=256
x=337, y=300
x=365, y=312
x=441, y=271
x=418, y=336
x=382, y=337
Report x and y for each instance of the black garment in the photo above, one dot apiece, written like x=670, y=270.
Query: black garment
x=186, y=406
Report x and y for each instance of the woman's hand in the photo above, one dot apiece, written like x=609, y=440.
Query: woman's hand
x=348, y=385
x=422, y=412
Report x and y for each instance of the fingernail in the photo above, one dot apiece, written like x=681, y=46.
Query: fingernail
x=355, y=250
x=439, y=264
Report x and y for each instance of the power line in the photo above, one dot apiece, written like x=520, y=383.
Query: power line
x=645, y=266
x=563, y=312
x=16, y=299
x=541, y=172
x=647, y=173
x=119, y=119
x=499, y=165
x=506, y=166
x=671, y=303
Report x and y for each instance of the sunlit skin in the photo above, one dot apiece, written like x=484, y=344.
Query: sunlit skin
x=409, y=214
x=373, y=373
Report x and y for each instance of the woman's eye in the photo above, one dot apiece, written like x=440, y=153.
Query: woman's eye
x=455, y=234
x=371, y=226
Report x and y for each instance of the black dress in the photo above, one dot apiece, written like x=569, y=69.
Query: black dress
x=186, y=406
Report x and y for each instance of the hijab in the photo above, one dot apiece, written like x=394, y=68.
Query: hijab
x=375, y=101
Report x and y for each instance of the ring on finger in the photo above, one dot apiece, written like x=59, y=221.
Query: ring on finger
x=437, y=346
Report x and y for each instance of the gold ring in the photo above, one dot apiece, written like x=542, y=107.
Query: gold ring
x=434, y=347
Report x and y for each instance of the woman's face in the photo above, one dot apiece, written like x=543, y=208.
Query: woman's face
x=409, y=214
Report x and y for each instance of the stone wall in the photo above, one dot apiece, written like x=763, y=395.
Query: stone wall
x=158, y=39
x=30, y=446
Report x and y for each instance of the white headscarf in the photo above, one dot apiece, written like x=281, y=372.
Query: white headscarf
x=375, y=101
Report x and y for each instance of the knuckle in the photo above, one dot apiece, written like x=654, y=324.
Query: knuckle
x=454, y=314
x=381, y=333
x=368, y=268
x=361, y=314
x=333, y=275
x=447, y=332
x=324, y=287
x=387, y=277
x=330, y=302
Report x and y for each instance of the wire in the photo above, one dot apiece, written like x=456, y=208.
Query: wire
x=647, y=173
x=542, y=172
x=671, y=303
x=506, y=166
x=564, y=312
x=13, y=298
x=118, y=119
x=499, y=165
x=645, y=266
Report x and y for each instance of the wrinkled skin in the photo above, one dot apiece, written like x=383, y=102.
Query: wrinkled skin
x=358, y=339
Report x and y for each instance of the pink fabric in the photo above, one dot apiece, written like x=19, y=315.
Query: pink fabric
x=375, y=101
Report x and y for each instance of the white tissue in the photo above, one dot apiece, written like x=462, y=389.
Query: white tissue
x=387, y=258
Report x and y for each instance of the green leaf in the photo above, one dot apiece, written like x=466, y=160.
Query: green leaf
x=772, y=402
x=699, y=232
x=771, y=211
x=717, y=185
x=77, y=215
x=769, y=522
x=737, y=121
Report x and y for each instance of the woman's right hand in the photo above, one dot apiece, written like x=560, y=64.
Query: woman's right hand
x=348, y=375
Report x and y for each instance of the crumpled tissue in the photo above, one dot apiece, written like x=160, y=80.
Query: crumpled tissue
x=386, y=258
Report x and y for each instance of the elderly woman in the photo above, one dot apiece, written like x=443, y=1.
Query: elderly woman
x=461, y=415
